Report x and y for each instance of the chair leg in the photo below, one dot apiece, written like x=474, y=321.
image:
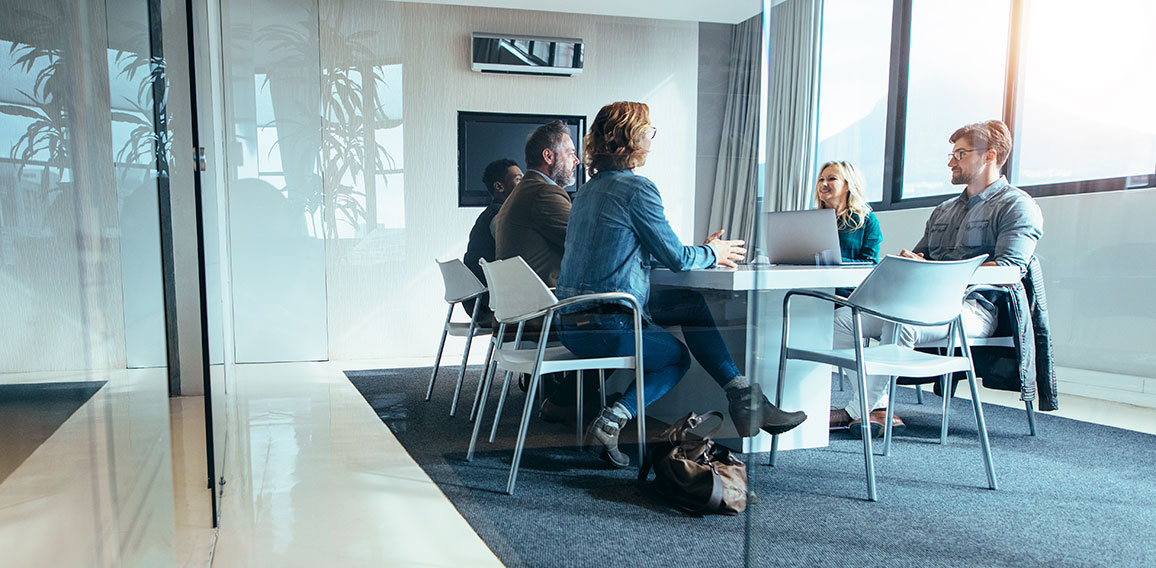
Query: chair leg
x=946, y=409
x=485, y=367
x=438, y=359
x=842, y=378
x=461, y=374
x=527, y=411
x=919, y=394
x=890, y=416
x=579, y=405
x=981, y=425
x=601, y=386
x=484, y=389
x=641, y=418
x=1031, y=417
x=501, y=405
x=465, y=358
x=868, y=454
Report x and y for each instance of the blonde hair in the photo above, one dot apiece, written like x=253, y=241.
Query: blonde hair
x=857, y=208
x=613, y=140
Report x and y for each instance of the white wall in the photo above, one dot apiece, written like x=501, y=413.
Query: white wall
x=1099, y=259
x=384, y=291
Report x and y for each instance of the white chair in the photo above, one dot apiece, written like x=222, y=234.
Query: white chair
x=461, y=285
x=904, y=291
x=517, y=295
x=946, y=382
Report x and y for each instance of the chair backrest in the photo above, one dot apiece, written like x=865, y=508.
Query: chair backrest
x=515, y=290
x=916, y=291
x=460, y=282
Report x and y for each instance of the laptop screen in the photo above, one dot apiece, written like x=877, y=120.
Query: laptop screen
x=801, y=237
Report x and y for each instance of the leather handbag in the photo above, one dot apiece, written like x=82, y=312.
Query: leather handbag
x=694, y=473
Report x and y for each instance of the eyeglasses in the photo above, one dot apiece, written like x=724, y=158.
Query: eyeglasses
x=958, y=154
x=653, y=131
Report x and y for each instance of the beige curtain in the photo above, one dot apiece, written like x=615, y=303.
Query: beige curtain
x=734, y=204
x=791, y=129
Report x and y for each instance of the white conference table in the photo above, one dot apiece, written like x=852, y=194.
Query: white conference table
x=747, y=305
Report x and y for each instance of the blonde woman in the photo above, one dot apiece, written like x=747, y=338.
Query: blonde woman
x=840, y=187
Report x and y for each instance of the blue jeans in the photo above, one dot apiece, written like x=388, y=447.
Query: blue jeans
x=665, y=359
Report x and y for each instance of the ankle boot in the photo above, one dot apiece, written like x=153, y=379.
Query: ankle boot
x=602, y=438
x=764, y=415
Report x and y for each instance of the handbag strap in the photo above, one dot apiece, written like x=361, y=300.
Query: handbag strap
x=692, y=421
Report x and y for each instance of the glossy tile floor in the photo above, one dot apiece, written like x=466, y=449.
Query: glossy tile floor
x=315, y=479
x=98, y=491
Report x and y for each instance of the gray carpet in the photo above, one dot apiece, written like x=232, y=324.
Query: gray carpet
x=1077, y=495
x=31, y=412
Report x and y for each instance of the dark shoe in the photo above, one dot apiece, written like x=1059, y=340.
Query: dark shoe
x=602, y=439
x=878, y=418
x=840, y=420
x=555, y=414
x=764, y=415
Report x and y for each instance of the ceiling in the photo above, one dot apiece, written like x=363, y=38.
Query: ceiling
x=720, y=11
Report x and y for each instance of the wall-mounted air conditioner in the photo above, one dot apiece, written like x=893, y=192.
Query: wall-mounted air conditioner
x=526, y=55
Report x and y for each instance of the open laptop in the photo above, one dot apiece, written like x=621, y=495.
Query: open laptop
x=806, y=237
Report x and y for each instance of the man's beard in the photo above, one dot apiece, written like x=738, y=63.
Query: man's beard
x=560, y=175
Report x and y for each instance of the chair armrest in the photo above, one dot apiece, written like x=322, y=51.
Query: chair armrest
x=1003, y=289
x=578, y=300
x=841, y=301
x=837, y=300
x=599, y=298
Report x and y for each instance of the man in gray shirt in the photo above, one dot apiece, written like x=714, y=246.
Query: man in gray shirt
x=989, y=217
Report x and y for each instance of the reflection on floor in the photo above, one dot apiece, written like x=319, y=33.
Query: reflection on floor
x=315, y=479
x=98, y=491
x=31, y=412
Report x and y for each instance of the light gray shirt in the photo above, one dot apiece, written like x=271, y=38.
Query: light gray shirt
x=1002, y=221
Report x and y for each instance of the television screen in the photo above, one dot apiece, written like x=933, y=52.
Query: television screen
x=487, y=136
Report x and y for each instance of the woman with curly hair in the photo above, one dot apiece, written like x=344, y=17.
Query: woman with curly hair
x=617, y=226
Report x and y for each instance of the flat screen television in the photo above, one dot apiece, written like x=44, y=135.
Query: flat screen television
x=487, y=136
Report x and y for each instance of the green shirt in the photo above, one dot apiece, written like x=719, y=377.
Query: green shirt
x=862, y=243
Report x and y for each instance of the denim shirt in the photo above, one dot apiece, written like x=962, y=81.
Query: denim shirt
x=617, y=232
x=1002, y=221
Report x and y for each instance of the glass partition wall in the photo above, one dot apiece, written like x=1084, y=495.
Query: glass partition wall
x=84, y=414
x=341, y=124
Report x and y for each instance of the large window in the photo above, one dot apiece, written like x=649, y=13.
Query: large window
x=956, y=76
x=853, y=86
x=1087, y=82
x=1072, y=82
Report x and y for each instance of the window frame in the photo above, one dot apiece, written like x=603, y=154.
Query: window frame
x=896, y=129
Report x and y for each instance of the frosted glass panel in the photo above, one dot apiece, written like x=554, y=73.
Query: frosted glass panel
x=276, y=202
x=89, y=484
x=134, y=146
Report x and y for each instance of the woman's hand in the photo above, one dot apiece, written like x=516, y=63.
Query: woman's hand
x=727, y=253
x=713, y=236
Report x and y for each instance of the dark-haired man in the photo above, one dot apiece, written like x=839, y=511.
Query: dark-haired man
x=990, y=217
x=499, y=177
x=532, y=222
